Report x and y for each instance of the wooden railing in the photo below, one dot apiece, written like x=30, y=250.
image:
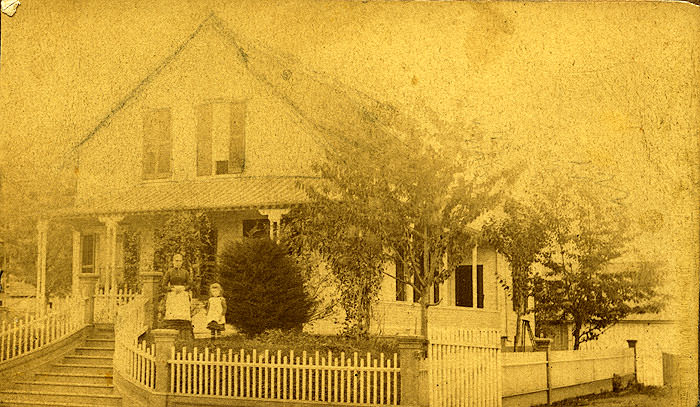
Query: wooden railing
x=33, y=332
x=132, y=359
x=326, y=378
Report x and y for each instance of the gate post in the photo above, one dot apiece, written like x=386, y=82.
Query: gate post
x=412, y=351
x=87, y=290
x=164, y=340
x=545, y=343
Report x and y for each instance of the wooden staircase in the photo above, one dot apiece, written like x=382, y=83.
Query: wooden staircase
x=80, y=379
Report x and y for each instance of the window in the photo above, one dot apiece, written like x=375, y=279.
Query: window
x=156, y=144
x=88, y=245
x=220, y=138
x=464, y=290
x=256, y=228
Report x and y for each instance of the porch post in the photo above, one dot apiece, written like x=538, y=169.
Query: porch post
x=76, y=263
x=42, y=228
x=111, y=222
x=274, y=216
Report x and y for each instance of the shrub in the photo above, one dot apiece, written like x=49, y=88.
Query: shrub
x=263, y=287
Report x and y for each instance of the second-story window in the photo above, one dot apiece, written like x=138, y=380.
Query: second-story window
x=220, y=138
x=157, y=144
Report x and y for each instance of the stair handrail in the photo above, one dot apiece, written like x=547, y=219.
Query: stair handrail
x=35, y=331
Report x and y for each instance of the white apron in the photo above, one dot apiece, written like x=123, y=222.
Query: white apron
x=177, y=304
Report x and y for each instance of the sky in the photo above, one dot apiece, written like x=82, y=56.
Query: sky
x=610, y=84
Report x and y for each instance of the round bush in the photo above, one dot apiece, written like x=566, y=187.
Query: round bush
x=263, y=287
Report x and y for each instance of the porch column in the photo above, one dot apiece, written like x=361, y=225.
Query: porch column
x=111, y=222
x=42, y=228
x=76, y=263
x=474, y=280
x=275, y=217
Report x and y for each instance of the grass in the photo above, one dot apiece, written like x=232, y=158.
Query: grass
x=635, y=395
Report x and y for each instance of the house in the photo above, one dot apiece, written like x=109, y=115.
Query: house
x=219, y=129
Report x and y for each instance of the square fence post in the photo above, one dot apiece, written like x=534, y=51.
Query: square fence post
x=412, y=351
x=545, y=344
x=164, y=340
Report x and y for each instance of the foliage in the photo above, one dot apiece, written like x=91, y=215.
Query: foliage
x=579, y=285
x=23, y=201
x=394, y=189
x=520, y=236
x=263, y=287
x=131, y=259
x=188, y=233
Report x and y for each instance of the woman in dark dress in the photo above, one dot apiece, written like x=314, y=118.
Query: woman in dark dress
x=178, y=285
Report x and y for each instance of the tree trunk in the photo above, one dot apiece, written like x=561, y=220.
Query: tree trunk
x=576, y=333
x=518, y=322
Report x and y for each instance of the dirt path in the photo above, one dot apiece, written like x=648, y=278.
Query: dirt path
x=646, y=397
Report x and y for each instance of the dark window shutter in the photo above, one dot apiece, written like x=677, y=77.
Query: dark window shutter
x=204, y=115
x=480, y=286
x=237, y=142
x=436, y=291
x=149, y=147
x=156, y=144
x=164, y=141
x=463, y=287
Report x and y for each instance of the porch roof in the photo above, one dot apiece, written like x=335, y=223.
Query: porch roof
x=227, y=193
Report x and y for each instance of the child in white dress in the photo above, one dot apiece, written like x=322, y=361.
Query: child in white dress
x=216, y=310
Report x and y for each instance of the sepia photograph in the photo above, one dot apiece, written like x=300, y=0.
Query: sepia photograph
x=349, y=203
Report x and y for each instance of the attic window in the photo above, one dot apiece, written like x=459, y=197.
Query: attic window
x=220, y=138
x=157, y=144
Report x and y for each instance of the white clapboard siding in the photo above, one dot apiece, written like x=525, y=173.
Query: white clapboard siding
x=463, y=367
x=319, y=377
x=35, y=331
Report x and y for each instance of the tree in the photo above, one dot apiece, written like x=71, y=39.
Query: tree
x=588, y=232
x=394, y=190
x=521, y=236
x=263, y=287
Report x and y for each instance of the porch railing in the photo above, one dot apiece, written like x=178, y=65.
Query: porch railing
x=34, y=331
x=132, y=359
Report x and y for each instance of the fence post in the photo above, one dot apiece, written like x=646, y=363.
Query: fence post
x=544, y=344
x=87, y=289
x=151, y=281
x=632, y=343
x=164, y=340
x=412, y=351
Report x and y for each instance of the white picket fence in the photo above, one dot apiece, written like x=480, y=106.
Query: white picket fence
x=133, y=360
x=107, y=301
x=326, y=378
x=33, y=332
x=464, y=367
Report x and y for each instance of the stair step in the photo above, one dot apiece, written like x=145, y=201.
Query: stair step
x=87, y=359
x=94, y=369
x=95, y=351
x=28, y=396
x=99, y=342
x=105, y=379
x=59, y=387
